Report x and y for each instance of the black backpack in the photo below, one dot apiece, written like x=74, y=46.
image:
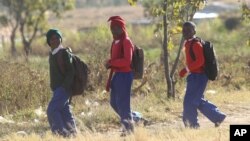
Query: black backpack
x=137, y=64
x=211, y=64
x=81, y=72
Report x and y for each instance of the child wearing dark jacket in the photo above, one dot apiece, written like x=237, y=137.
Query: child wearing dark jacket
x=60, y=118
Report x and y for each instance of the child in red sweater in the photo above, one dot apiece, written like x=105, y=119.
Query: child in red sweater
x=196, y=83
x=119, y=63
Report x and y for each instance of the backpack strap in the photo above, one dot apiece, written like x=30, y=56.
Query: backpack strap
x=122, y=48
x=191, y=51
x=60, y=61
x=70, y=99
x=59, y=58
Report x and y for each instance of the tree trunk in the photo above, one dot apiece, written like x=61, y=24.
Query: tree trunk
x=28, y=41
x=175, y=66
x=189, y=17
x=165, y=53
x=27, y=50
x=3, y=42
x=26, y=44
x=12, y=41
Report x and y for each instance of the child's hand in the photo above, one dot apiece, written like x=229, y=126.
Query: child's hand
x=183, y=72
x=106, y=64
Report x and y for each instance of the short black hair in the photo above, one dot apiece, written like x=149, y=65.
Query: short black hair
x=191, y=24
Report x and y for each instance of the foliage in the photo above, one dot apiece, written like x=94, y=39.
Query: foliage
x=246, y=15
x=31, y=17
x=3, y=21
x=177, y=13
x=245, y=11
x=132, y=2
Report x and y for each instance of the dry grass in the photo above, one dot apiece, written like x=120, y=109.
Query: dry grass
x=235, y=104
x=141, y=134
x=22, y=87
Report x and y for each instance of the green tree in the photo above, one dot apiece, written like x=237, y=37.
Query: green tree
x=31, y=17
x=12, y=17
x=245, y=7
x=169, y=16
x=245, y=10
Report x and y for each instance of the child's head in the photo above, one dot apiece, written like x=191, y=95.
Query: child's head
x=117, y=26
x=54, y=38
x=188, y=30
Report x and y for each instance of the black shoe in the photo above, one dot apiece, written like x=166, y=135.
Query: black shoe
x=128, y=128
x=128, y=125
x=217, y=124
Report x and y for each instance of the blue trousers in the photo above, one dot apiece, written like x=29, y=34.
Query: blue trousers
x=60, y=118
x=194, y=100
x=120, y=95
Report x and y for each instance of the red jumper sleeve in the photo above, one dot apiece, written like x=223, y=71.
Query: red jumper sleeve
x=127, y=58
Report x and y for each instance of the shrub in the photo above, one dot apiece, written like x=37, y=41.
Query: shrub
x=22, y=87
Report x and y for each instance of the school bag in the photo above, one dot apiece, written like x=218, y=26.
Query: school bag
x=211, y=64
x=137, y=64
x=81, y=72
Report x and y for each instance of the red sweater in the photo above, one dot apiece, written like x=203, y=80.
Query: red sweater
x=121, y=59
x=197, y=65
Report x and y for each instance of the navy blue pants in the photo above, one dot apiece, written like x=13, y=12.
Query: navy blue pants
x=60, y=118
x=194, y=100
x=120, y=95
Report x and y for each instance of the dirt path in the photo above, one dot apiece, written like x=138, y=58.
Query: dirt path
x=236, y=114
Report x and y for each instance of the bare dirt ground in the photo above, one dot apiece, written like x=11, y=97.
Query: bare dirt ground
x=236, y=114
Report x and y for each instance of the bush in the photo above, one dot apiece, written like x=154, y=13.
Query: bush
x=22, y=87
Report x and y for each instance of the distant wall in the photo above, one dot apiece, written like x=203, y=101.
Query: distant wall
x=99, y=3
